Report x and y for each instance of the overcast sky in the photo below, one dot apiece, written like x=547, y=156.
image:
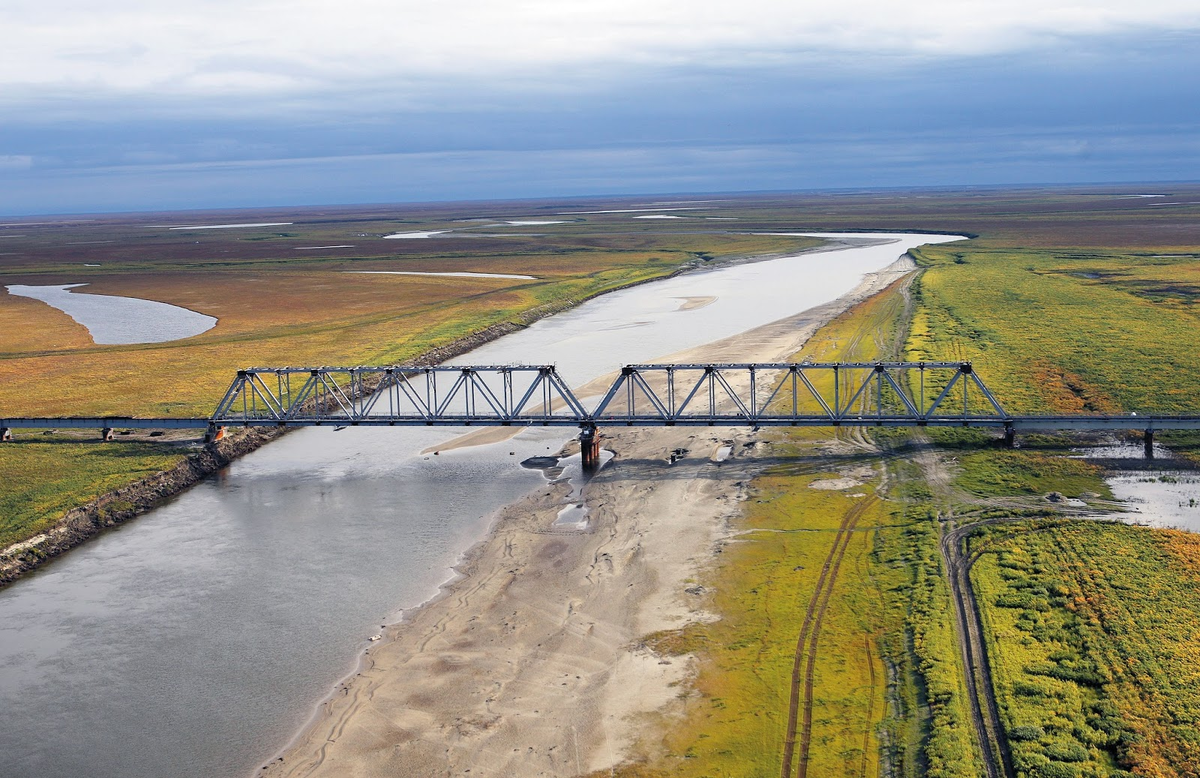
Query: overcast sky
x=140, y=104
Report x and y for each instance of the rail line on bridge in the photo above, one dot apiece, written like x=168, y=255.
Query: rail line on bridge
x=804, y=394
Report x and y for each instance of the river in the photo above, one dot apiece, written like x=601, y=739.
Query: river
x=196, y=640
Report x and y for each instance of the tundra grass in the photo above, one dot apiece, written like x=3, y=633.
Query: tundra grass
x=736, y=718
x=994, y=472
x=1064, y=331
x=291, y=319
x=1092, y=627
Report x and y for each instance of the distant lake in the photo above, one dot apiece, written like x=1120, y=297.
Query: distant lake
x=112, y=320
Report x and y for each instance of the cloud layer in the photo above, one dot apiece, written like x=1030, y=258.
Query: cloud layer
x=140, y=104
x=274, y=48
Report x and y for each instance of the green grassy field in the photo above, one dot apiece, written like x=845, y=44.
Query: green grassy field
x=45, y=478
x=1093, y=630
x=1062, y=331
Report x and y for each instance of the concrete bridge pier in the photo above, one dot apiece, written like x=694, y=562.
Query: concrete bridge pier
x=589, y=447
x=1010, y=436
x=5, y=434
x=214, y=433
x=106, y=433
x=1148, y=442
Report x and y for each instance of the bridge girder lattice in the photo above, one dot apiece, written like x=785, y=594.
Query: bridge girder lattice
x=757, y=394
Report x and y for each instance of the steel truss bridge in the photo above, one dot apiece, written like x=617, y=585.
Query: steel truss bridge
x=805, y=394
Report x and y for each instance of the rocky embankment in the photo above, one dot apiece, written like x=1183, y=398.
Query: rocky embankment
x=121, y=505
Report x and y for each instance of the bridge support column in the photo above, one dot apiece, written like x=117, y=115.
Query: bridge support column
x=1010, y=436
x=5, y=434
x=589, y=447
x=106, y=433
x=213, y=433
x=1148, y=442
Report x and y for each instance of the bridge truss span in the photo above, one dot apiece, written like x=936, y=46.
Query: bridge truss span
x=435, y=395
x=758, y=394
x=799, y=394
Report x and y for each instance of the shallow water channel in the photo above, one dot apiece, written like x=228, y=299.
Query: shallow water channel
x=197, y=639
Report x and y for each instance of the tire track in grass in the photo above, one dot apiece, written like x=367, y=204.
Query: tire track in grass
x=977, y=669
x=804, y=663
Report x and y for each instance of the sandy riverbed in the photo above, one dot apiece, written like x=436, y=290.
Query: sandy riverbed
x=529, y=664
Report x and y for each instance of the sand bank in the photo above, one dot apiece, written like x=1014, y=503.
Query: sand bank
x=529, y=663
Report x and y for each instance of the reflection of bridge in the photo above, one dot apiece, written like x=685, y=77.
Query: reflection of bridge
x=807, y=394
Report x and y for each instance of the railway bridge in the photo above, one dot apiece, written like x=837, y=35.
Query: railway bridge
x=776, y=394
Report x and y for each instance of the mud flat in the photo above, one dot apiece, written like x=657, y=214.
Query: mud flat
x=529, y=663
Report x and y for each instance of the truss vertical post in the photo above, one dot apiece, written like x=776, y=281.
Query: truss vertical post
x=431, y=390
x=753, y=393
x=795, y=394
x=965, y=369
x=837, y=394
x=921, y=370
x=508, y=393
x=671, y=392
x=630, y=399
x=711, y=376
x=879, y=391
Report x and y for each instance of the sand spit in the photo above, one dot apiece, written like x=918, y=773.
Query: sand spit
x=693, y=303
x=530, y=662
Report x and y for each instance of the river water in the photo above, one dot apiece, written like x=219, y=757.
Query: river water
x=197, y=639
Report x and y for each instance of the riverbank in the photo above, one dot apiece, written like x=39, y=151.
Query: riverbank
x=529, y=662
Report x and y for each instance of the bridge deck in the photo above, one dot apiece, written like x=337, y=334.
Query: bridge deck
x=807, y=394
x=1017, y=423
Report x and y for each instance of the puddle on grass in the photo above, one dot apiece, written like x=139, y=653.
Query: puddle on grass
x=1159, y=493
x=1159, y=498
x=414, y=235
x=113, y=320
